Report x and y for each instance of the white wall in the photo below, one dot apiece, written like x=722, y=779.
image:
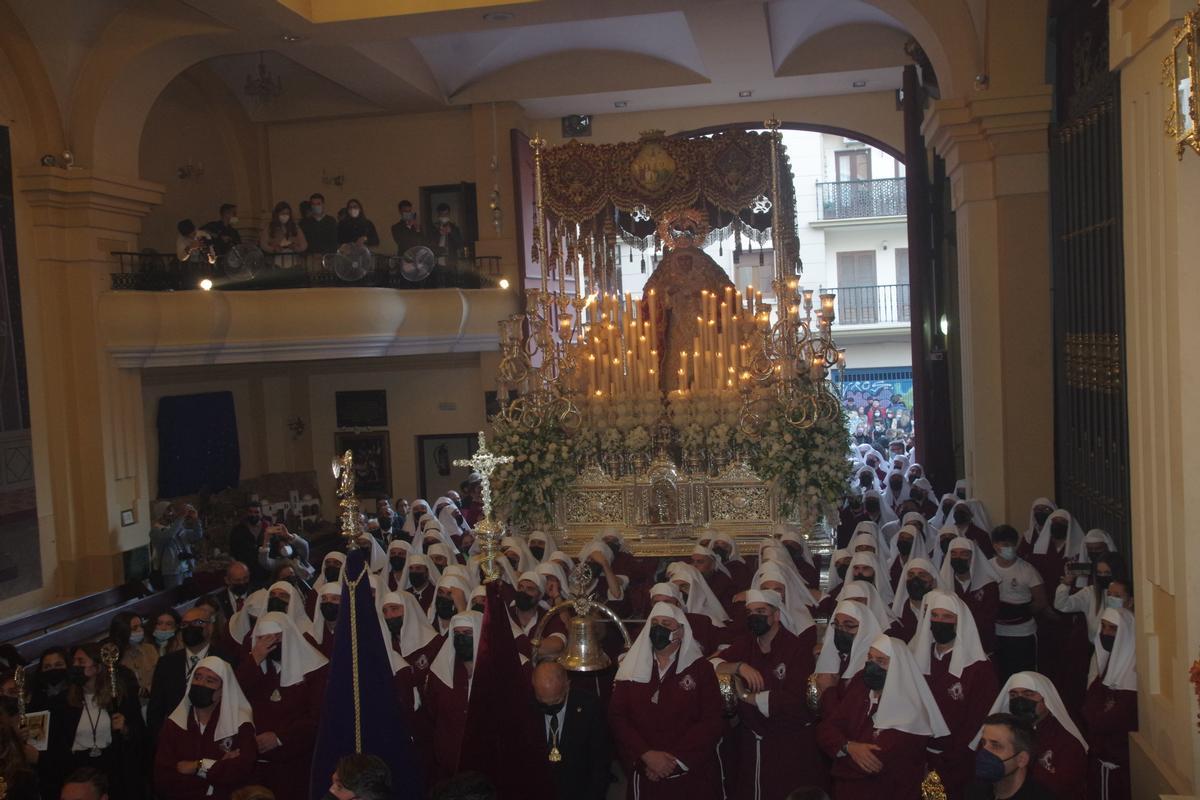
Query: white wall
x=883, y=239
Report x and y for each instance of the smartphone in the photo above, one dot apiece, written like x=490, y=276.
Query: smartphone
x=1080, y=567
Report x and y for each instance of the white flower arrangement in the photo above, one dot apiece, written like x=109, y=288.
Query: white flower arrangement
x=638, y=439
x=544, y=464
x=807, y=467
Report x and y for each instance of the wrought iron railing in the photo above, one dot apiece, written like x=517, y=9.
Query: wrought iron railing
x=872, y=305
x=883, y=197
x=160, y=272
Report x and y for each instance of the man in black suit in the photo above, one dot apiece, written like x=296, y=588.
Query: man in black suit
x=237, y=589
x=173, y=673
x=244, y=540
x=574, y=724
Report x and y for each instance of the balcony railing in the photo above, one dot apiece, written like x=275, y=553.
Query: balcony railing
x=159, y=272
x=884, y=197
x=872, y=305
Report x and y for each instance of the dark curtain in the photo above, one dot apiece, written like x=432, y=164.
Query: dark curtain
x=197, y=444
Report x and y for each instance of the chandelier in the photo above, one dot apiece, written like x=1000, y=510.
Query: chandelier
x=263, y=87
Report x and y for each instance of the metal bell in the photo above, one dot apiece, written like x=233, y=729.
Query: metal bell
x=584, y=651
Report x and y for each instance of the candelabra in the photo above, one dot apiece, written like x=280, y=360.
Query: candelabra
x=343, y=473
x=790, y=365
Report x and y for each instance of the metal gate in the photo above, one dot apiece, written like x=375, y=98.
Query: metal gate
x=1091, y=426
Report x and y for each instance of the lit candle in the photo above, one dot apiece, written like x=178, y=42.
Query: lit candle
x=653, y=318
x=592, y=371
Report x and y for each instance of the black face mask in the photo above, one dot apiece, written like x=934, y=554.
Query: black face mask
x=843, y=641
x=397, y=562
x=872, y=506
x=53, y=678
x=193, y=637
x=538, y=552
x=917, y=589
x=76, y=675
x=865, y=578
x=551, y=709
x=276, y=652
x=961, y=566
x=1102, y=581
x=395, y=624
x=917, y=496
x=1039, y=517
x=1107, y=641
x=464, y=646
x=962, y=516
x=895, y=485
x=239, y=589
x=524, y=602
x=961, y=494
x=1058, y=530
x=330, y=611
x=417, y=579
x=757, y=624
x=332, y=574
x=418, y=514
x=253, y=519
x=480, y=607
x=904, y=546
x=277, y=604
x=841, y=570
x=943, y=632
x=946, y=506
x=865, y=479
x=614, y=546
x=201, y=696
x=444, y=607
x=1095, y=557
x=660, y=637
x=723, y=554
x=874, y=676
x=1024, y=708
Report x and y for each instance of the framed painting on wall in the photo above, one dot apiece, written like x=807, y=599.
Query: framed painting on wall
x=436, y=454
x=372, y=461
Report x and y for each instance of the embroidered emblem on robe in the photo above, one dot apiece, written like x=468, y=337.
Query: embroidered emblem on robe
x=1047, y=761
x=687, y=683
x=276, y=696
x=781, y=670
x=955, y=691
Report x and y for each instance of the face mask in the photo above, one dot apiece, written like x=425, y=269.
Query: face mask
x=332, y=574
x=284, y=219
x=864, y=480
x=417, y=579
x=551, y=709
x=1058, y=530
x=54, y=677
x=961, y=566
x=757, y=624
x=538, y=552
x=989, y=767
x=873, y=506
x=943, y=632
x=723, y=554
x=660, y=637
x=874, y=676
x=524, y=602
x=841, y=570
x=354, y=212
x=77, y=676
x=464, y=646
x=961, y=494
x=1023, y=707
x=276, y=652
x=1008, y=553
x=318, y=210
x=946, y=506
x=1040, y=517
x=329, y=611
x=480, y=607
x=1107, y=641
x=395, y=625
x=917, y=589
x=904, y=546
x=201, y=696
x=233, y=220
x=397, y=563
x=239, y=589
x=1095, y=557
x=420, y=512
x=162, y=637
x=1102, y=581
x=277, y=604
x=137, y=637
x=842, y=641
x=895, y=485
x=253, y=519
x=1114, y=602
x=445, y=608
x=407, y=216
x=917, y=496
x=193, y=637
x=865, y=578
x=962, y=517
x=443, y=220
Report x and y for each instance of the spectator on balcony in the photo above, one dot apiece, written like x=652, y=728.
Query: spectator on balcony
x=407, y=232
x=356, y=228
x=224, y=234
x=172, y=538
x=449, y=238
x=319, y=228
x=192, y=244
x=282, y=234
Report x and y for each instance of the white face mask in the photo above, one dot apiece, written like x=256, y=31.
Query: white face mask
x=284, y=219
x=1114, y=602
x=443, y=220
x=233, y=220
x=137, y=637
x=354, y=212
x=318, y=211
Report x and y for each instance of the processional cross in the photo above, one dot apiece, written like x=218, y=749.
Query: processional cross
x=485, y=462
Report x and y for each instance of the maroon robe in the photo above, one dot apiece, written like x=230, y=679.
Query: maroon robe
x=722, y=587
x=829, y=602
x=426, y=596
x=407, y=684
x=905, y=628
x=848, y=521
x=984, y=604
x=1068, y=672
x=740, y=575
x=292, y=714
x=809, y=573
x=1061, y=764
x=778, y=752
x=175, y=744
x=964, y=702
x=981, y=539
x=421, y=658
x=678, y=713
x=524, y=641
x=1111, y=715
x=447, y=707
x=706, y=634
x=902, y=754
x=326, y=645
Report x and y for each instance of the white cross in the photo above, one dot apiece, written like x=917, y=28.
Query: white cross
x=485, y=462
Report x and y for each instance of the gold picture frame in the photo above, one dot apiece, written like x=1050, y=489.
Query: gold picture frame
x=1179, y=73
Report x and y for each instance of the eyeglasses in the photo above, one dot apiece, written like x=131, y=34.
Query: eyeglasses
x=196, y=623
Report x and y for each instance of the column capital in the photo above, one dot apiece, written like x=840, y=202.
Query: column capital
x=81, y=198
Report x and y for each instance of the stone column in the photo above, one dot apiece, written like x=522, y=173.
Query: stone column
x=996, y=157
x=88, y=410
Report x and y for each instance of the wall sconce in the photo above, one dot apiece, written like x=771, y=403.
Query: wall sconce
x=297, y=427
x=190, y=171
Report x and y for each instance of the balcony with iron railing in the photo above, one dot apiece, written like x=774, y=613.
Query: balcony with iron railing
x=843, y=200
x=872, y=305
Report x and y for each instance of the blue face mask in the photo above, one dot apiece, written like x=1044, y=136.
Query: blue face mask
x=162, y=637
x=989, y=767
x=1114, y=602
x=1008, y=553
